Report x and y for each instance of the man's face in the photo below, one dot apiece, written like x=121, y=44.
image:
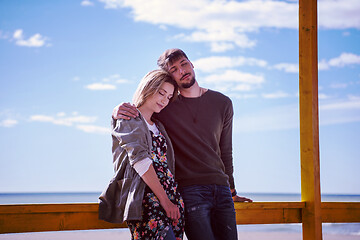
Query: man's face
x=182, y=72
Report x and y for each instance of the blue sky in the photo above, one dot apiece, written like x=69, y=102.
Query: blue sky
x=64, y=65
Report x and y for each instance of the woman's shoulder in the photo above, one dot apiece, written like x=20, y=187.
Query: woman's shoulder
x=137, y=122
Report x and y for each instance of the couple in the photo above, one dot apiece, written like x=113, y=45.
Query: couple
x=143, y=191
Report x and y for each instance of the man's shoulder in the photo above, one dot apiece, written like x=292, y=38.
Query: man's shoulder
x=218, y=95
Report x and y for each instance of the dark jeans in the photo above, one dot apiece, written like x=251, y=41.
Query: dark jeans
x=209, y=212
x=170, y=235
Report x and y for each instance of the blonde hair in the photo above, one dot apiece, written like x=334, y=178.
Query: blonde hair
x=150, y=84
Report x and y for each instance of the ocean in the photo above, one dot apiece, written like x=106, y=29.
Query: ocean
x=91, y=197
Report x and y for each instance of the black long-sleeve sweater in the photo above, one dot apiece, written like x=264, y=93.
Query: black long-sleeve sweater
x=201, y=132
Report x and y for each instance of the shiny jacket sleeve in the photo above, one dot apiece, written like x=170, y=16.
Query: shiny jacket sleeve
x=131, y=136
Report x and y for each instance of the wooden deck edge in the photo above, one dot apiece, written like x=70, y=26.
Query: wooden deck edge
x=84, y=216
x=337, y=212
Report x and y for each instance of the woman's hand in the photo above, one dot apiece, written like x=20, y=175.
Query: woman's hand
x=151, y=179
x=172, y=210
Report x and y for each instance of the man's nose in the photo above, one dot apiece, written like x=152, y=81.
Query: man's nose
x=181, y=71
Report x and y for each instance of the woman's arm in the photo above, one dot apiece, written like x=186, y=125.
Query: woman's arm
x=131, y=137
x=151, y=179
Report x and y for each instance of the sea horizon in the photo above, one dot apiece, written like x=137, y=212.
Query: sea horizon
x=92, y=196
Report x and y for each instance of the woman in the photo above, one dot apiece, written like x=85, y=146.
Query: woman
x=143, y=191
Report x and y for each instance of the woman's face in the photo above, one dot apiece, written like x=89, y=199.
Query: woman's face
x=161, y=98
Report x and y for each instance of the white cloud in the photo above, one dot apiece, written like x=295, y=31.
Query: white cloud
x=220, y=40
x=100, y=86
x=93, y=129
x=8, y=123
x=61, y=114
x=34, y=41
x=211, y=64
x=221, y=47
x=276, y=118
x=242, y=96
x=18, y=34
x=287, y=67
x=233, y=80
x=286, y=117
x=222, y=24
x=80, y=122
x=278, y=94
x=354, y=98
x=242, y=87
x=107, y=83
x=3, y=35
x=323, y=65
x=235, y=76
x=115, y=78
x=340, y=111
x=323, y=96
x=349, y=104
x=61, y=119
x=339, y=85
x=344, y=59
x=87, y=3
x=339, y=14
x=225, y=24
x=341, y=61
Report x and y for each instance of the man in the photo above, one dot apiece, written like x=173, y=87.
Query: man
x=199, y=124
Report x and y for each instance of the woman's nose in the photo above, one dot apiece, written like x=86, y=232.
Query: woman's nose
x=164, y=100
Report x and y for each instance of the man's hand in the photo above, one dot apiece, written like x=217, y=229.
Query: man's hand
x=237, y=198
x=125, y=111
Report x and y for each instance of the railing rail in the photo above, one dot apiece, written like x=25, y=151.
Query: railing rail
x=84, y=216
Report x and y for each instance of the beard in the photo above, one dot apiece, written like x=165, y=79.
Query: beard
x=189, y=84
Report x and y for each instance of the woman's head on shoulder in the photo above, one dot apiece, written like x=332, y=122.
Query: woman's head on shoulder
x=157, y=86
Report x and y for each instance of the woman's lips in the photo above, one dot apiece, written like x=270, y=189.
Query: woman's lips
x=160, y=106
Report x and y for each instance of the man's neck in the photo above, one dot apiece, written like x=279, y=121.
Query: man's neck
x=192, y=92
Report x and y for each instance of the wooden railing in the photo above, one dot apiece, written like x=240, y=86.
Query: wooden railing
x=311, y=212
x=84, y=216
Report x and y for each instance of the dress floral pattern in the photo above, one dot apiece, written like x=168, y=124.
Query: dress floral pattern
x=155, y=223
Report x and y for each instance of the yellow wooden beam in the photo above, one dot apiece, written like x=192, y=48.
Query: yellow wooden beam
x=339, y=212
x=84, y=216
x=268, y=212
x=51, y=217
x=309, y=123
x=58, y=217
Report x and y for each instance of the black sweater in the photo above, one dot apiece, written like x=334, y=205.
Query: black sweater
x=201, y=132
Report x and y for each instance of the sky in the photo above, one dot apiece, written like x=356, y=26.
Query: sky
x=64, y=66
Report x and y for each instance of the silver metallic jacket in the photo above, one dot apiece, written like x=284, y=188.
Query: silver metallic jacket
x=132, y=142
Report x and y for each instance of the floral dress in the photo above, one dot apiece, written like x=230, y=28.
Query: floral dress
x=155, y=223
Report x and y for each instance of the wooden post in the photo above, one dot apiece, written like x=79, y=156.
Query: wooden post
x=309, y=121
